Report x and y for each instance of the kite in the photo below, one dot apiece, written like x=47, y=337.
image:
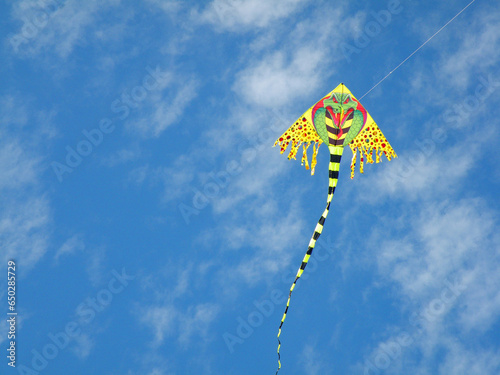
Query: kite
x=337, y=120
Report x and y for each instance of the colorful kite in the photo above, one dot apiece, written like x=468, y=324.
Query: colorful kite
x=338, y=119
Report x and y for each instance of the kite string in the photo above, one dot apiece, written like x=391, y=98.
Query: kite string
x=414, y=52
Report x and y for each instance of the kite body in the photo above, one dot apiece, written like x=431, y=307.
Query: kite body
x=338, y=119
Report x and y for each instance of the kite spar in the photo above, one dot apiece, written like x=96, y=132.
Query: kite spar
x=338, y=119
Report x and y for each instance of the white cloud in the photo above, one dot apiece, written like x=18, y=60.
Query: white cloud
x=155, y=371
x=165, y=109
x=72, y=245
x=121, y=156
x=279, y=78
x=482, y=299
x=93, y=257
x=446, y=232
x=173, y=179
x=171, y=316
x=24, y=230
x=276, y=76
x=14, y=111
x=479, y=49
x=138, y=175
x=242, y=15
x=259, y=168
x=420, y=173
x=170, y=7
x=161, y=320
x=95, y=265
x=17, y=166
x=442, y=261
x=167, y=114
x=196, y=322
x=459, y=360
x=57, y=26
x=461, y=64
x=443, y=239
x=310, y=361
x=275, y=237
x=25, y=215
x=82, y=346
x=170, y=320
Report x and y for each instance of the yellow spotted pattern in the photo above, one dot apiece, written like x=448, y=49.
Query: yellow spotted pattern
x=368, y=140
x=302, y=132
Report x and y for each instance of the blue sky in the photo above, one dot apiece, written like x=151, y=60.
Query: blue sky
x=157, y=232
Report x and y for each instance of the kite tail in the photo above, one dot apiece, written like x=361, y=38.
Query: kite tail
x=335, y=155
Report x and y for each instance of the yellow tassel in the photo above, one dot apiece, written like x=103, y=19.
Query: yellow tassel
x=361, y=160
x=314, y=161
x=353, y=161
x=369, y=153
x=304, y=154
x=293, y=150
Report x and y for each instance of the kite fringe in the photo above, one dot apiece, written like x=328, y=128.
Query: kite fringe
x=366, y=154
x=294, y=149
x=301, y=133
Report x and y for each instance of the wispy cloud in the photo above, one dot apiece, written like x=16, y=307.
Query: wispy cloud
x=72, y=245
x=475, y=362
x=479, y=50
x=18, y=167
x=441, y=267
x=25, y=217
x=278, y=78
x=242, y=15
x=310, y=361
x=122, y=156
x=83, y=346
x=171, y=7
x=169, y=316
x=184, y=324
x=165, y=108
x=24, y=229
x=445, y=231
x=161, y=320
x=435, y=248
x=419, y=173
x=56, y=26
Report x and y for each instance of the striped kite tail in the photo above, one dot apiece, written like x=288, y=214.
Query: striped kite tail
x=335, y=155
